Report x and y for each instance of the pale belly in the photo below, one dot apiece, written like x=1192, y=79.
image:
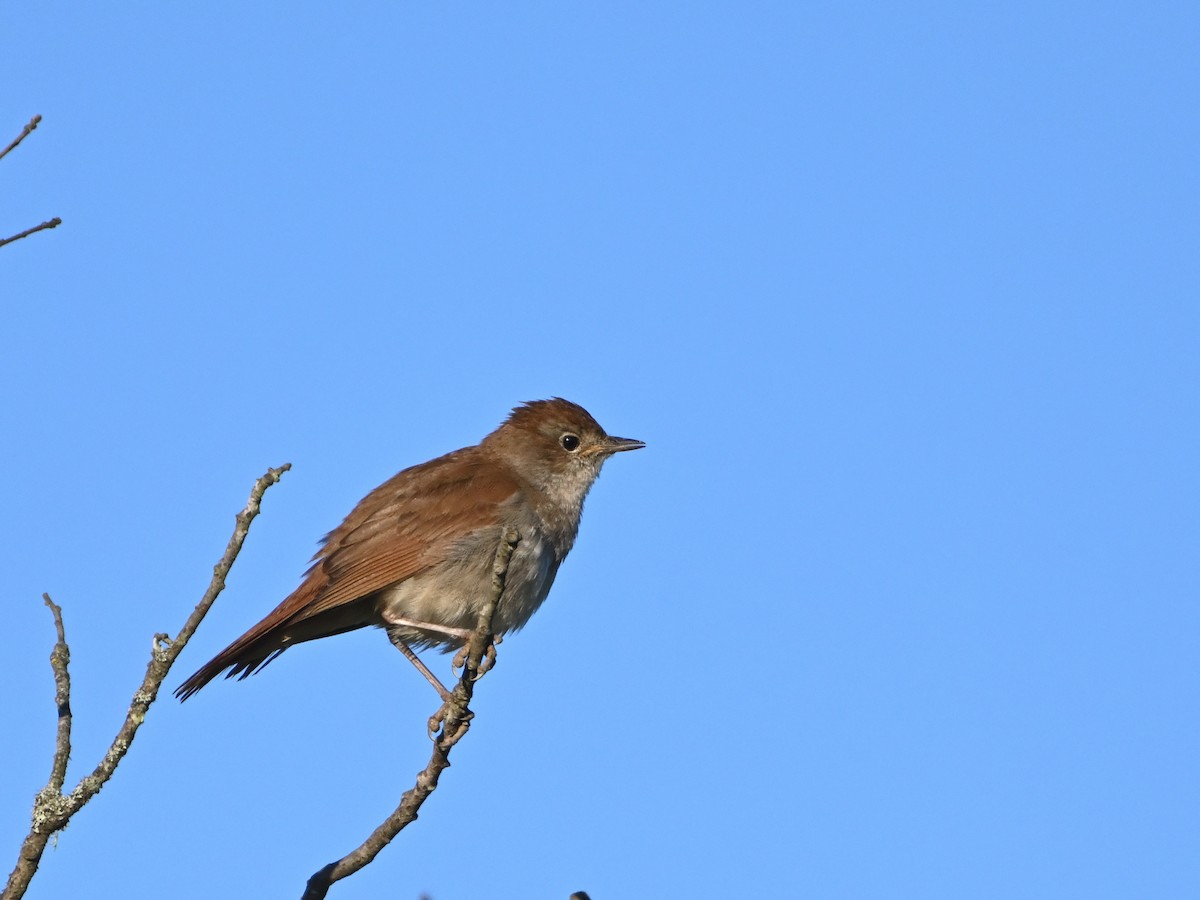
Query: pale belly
x=452, y=593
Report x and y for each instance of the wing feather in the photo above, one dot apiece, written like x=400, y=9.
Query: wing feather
x=405, y=526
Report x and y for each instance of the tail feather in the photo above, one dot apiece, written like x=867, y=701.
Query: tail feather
x=286, y=625
x=242, y=658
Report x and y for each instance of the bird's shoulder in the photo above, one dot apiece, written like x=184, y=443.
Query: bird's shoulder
x=441, y=494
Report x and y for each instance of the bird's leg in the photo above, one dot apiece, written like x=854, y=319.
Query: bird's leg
x=421, y=667
x=461, y=633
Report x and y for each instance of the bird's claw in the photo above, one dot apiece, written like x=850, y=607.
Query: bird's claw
x=485, y=664
x=434, y=725
x=441, y=728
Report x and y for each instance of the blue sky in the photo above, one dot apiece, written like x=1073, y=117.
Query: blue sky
x=900, y=600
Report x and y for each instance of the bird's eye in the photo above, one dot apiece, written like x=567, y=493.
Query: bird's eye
x=570, y=442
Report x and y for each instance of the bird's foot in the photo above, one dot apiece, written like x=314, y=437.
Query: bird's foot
x=489, y=658
x=485, y=664
x=434, y=725
x=440, y=727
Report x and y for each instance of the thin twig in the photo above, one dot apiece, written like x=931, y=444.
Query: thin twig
x=60, y=658
x=51, y=223
x=450, y=723
x=52, y=809
x=25, y=132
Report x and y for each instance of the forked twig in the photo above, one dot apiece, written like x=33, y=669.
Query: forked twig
x=52, y=809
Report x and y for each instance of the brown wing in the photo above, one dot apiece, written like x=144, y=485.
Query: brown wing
x=406, y=525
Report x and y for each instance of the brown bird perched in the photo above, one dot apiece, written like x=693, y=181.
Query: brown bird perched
x=415, y=556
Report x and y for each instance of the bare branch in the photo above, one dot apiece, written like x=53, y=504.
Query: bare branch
x=49, y=799
x=52, y=809
x=51, y=223
x=448, y=725
x=60, y=658
x=25, y=132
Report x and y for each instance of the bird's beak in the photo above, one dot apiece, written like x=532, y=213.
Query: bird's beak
x=616, y=444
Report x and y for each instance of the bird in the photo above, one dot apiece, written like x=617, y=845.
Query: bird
x=415, y=555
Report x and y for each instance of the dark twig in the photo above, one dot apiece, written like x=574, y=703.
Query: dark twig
x=52, y=809
x=25, y=132
x=449, y=724
x=52, y=223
